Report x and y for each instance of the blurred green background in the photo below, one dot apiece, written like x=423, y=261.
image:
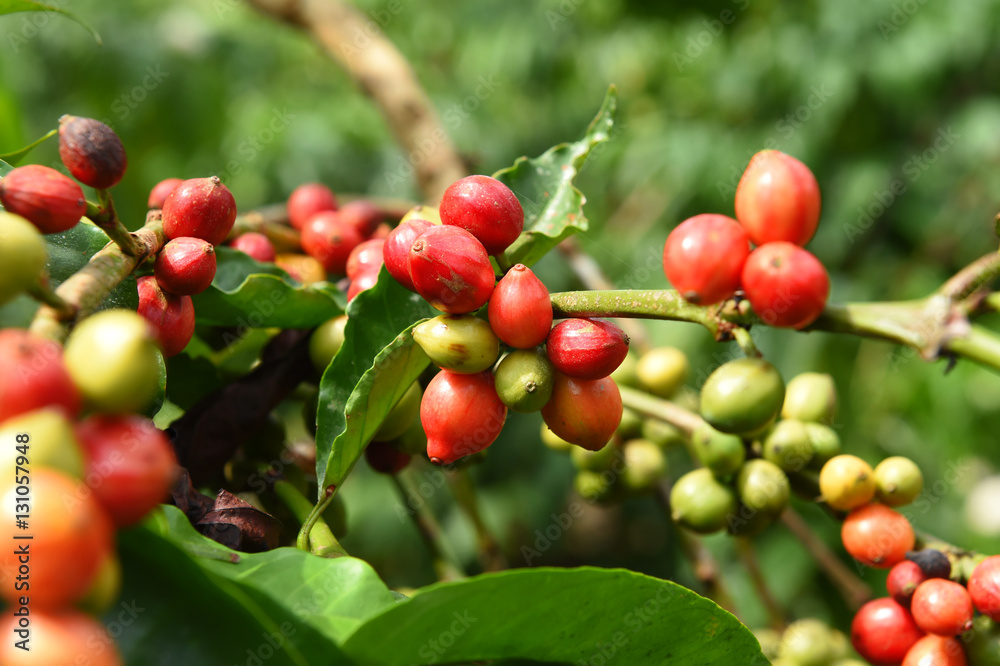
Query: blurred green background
x=868, y=93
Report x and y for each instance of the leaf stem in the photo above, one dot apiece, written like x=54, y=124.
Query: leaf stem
x=328, y=545
x=104, y=215
x=430, y=531
x=322, y=541
x=745, y=341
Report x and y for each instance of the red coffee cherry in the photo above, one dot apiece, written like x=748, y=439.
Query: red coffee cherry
x=586, y=348
x=364, y=280
x=385, y=458
x=883, y=632
x=943, y=607
x=703, y=258
x=199, y=207
x=91, y=151
x=520, y=310
x=396, y=251
x=364, y=257
x=307, y=200
x=984, y=585
x=330, y=241
x=44, y=197
x=903, y=580
x=32, y=376
x=171, y=316
x=362, y=215
x=877, y=536
x=61, y=636
x=585, y=412
x=451, y=270
x=778, y=199
x=185, y=266
x=486, y=208
x=161, y=191
x=130, y=465
x=256, y=245
x=786, y=285
x=461, y=415
x=936, y=651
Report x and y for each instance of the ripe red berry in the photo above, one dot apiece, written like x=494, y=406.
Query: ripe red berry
x=44, y=197
x=777, y=199
x=942, y=607
x=936, y=651
x=91, y=151
x=199, y=207
x=130, y=465
x=585, y=412
x=365, y=256
x=877, y=536
x=786, y=285
x=461, y=414
x=366, y=279
x=185, y=266
x=703, y=258
x=396, y=251
x=520, y=310
x=362, y=215
x=451, y=270
x=326, y=238
x=903, y=580
x=161, y=191
x=256, y=245
x=385, y=458
x=883, y=632
x=307, y=200
x=171, y=316
x=32, y=376
x=486, y=208
x=586, y=348
x=984, y=585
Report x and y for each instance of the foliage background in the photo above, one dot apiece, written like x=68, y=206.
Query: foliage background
x=867, y=92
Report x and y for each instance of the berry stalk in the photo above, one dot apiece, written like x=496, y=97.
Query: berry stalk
x=430, y=531
x=104, y=215
x=44, y=294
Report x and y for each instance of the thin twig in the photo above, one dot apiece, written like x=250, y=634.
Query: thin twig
x=748, y=555
x=104, y=215
x=491, y=556
x=44, y=294
x=322, y=541
x=430, y=531
x=657, y=408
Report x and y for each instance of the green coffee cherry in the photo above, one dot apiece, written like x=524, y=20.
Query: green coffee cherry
x=808, y=643
x=769, y=640
x=699, y=502
x=326, y=341
x=554, y=441
x=825, y=443
x=720, y=452
x=53, y=444
x=22, y=255
x=742, y=396
x=644, y=464
x=763, y=487
x=459, y=343
x=402, y=415
x=524, y=380
x=811, y=396
x=788, y=445
x=661, y=433
x=594, y=486
x=898, y=481
x=631, y=424
x=662, y=371
x=414, y=440
x=983, y=646
x=594, y=461
x=625, y=374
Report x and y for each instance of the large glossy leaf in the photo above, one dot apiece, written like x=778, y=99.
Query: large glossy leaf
x=565, y=616
x=553, y=207
x=377, y=363
x=12, y=6
x=18, y=155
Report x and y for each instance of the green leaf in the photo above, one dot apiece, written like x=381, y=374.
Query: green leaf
x=377, y=363
x=559, y=616
x=553, y=207
x=18, y=155
x=4, y=170
x=13, y=6
x=249, y=294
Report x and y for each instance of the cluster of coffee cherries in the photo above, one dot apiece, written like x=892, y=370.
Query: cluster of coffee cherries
x=708, y=259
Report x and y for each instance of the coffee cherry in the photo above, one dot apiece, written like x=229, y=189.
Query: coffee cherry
x=363, y=281
x=330, y=240
x=586, y=348
x=786, y=285
x=811, y=397
x=256, y=245
x=53, y=444
x=130, y=465
x=451, y=270
x=585, y=412
x=663, y=371
x=847, y=482
x=91, y=151
x=421, y=212
x=699, y=502
x=626, y=374
x=60, y=636
x=402, y=415
x=459, y=343
x=777, y=199
x=486, y=208
x=931, y=561
x=301, y=268
x=936, y=651
x=362, y=215
x=365, y=256
x=631, y=424
x=788, y=445
x=645, y=464
x=325, y=342
x=703, y=258
x=742, y=396
x=307, y=200
x=825, y=443
x=982, y=643
x=555, y=442
x=22, y=255
x=595, y=486
x=396, y=251
x=662, y=434
x=984, y=587
x=596, y=461
x=385, y=458
x=809, y=642
x=44, y=197
x=524, y=380
x=461, y=415
x=720, y=452
x=161, y=191
x=185, y=266
x=199, y=207
x=883, y=632
x=763, y=487
x=71, y=538
x=520, y=311
x=898, y=481
x=33, y=375
x=113, y=361
x=902, y=581
x=942, y=607
x=171, y=317
x=877, y=536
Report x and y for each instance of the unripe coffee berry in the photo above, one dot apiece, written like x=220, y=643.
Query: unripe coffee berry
x=898, y=481
x=586, y=348
x=53, y=444
x=883, y=632
x=645, y=464
x=33, y=374
x=22, y=255
x=330, y=240
x=44, y=197
x=786, y=285
x=91, y=151
x=396, y=251
x=663, y=371
x=161, y=191
x=847, y=482
x=307, y=200
x=459, y=343
x=486, y=208
x=723, y=454
x=811, y=396
x=520, y=310
x=325, y=342
x=877, y=536
x=701, y=503
x=777, y=199
x=365, y=256
x=942, y=607
x=585, y=412
x=825, y=443
x=788, y=445
x=763, y=487
x=199, y=207
x=703, y=258
x=524, y=380
x=742, y=396
x=461, y=415
x=170, y=316
x=185, y=266
x=256, y=245
x=809, y=642
x=451, y=270
x=300, y=267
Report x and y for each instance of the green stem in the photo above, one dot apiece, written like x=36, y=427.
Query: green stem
x=658, y=408
x=104, y=215
x=322, y=541
x=746, y=343
x=748, y=555
x=313, y=518
x=44, y=294
x=430, y=531
x=462, y=487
